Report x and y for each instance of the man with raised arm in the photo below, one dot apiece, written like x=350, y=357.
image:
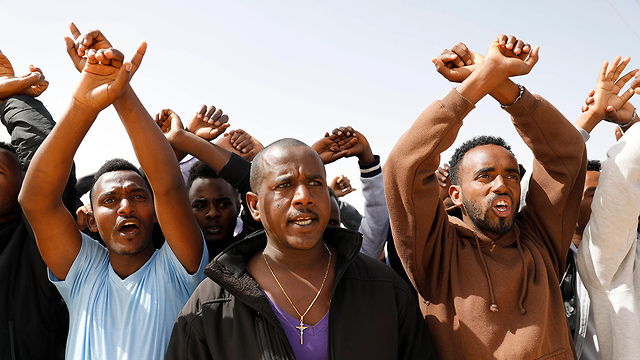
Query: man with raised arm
x=122, y=299
x=298, y=289
x=488, y=283
x=33, y=318
x=608, y=256
x=374, y=226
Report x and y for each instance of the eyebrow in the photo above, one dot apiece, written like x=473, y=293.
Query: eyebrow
x=490, y=169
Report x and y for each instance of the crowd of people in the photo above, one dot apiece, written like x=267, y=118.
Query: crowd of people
x=226, y=249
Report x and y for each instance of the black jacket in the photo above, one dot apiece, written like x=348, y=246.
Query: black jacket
x=373, y=313
x=33, y=318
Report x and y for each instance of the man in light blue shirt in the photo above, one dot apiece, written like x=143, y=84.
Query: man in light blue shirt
x=122, y=299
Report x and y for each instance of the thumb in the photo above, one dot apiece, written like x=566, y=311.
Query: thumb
x=533, y=56
x=73, y=53
x=124, y=75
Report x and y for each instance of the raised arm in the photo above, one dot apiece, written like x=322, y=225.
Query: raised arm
x=55, y=229
x=418, y=220
x=159, y=163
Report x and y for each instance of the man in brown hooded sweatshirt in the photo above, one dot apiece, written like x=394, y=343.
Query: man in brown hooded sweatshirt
x=488, y=283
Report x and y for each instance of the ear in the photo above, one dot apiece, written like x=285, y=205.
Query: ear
x=91, y=221
x=455, y=193
x=252, y=203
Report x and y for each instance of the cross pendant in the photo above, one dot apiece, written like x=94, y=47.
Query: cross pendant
x=302, y=328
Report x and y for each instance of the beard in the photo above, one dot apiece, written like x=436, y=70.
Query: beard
x=480, y=217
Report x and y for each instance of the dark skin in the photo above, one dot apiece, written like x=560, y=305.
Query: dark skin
x=294, y=207
x=10, y=182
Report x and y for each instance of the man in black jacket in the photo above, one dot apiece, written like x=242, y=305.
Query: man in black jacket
x=33, y=318
x=298, y=289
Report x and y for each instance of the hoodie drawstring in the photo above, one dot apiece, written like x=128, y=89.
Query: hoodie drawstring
x=525, y=281
x=493, y=306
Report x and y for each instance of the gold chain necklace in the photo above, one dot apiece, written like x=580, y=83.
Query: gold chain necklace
x=302, y=328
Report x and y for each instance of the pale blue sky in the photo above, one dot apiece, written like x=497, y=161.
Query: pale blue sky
x=300, y=68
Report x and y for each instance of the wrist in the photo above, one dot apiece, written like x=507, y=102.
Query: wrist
x=481, y=82
x=366, y=157
x=634, y=119
x=370, y=169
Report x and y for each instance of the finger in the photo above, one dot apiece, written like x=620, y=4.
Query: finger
x=585, y=108
x=618, y=133
x=603, y=71
x=451, y=57
x=210, y=110
x=592, y=93
x=612, y=68
x=223, y=119
x=628, y=76
x=215, y=116
x=627, y=95
x=115, y=56
x=348, y=191
x=462, y=51
x=73, y=53
x=517, y=47
x=203, y=110
x=620, y=68
x=124, y=75
x=533, y=57
x=244, y=144
x=511, y=42
x=501, y=39
x=590, y=100
x=74, y=30
x=136, y=60
x=612, y=115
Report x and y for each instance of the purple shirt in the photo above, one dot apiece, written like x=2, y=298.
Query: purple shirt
x=316, y=337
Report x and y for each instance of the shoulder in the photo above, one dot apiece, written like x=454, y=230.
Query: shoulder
x=365, y=269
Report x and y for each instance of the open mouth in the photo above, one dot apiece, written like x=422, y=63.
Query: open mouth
x=213, y=229
x=128, y=227
x=502, y=208
x=302, y=221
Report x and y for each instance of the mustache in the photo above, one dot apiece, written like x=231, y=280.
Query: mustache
x=305, y=212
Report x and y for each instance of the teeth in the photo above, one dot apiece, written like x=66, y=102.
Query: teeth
x=303, y=221
x=501, y=203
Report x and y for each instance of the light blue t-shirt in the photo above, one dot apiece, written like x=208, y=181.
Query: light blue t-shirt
x=112, y=318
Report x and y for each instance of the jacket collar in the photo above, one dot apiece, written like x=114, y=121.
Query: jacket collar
x=229, y=268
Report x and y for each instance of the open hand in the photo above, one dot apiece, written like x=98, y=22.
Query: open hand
x=604, y=101
x=208, y=123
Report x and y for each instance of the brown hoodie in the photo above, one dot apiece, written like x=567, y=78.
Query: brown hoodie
x=462, y=275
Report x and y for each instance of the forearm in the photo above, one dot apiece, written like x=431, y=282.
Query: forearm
x=587, y=121
x=375, y=224
x=410, y=183
x=48, y=173
x=211, y=154
x=28, y=122
x=149, y=144
x=486, y=80
x=558, y=174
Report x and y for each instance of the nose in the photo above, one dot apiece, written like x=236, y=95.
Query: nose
x=302, y=195
x=499, y=185
x=213, y=211
x=126, y=207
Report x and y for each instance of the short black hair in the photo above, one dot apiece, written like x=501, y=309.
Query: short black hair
x=116, y=165
x=257, y=164
x=456, y=158
x=200, y=170
x=7, y=146
x=594, y=165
